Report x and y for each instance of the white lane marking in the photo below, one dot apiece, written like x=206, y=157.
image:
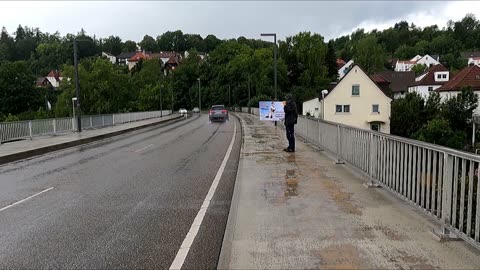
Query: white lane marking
x=143, y=148
x=197, y=222
x=26, y=199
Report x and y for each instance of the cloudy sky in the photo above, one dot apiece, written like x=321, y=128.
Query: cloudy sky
x=226, y=19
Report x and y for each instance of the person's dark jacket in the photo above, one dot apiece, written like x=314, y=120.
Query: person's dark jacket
x=290, y=110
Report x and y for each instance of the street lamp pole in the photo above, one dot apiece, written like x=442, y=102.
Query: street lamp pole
x=77, y=86
x=199, y=96
x=274, y=35
x=324, y=92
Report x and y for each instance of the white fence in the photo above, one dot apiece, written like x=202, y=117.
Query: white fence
x=441, y=181
x=10, y=131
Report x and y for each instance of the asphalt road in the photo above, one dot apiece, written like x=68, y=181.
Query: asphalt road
x=125, y=202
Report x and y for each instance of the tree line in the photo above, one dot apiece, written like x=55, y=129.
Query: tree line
x=234, y=70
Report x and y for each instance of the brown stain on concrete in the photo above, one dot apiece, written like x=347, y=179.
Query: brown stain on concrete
x=341, y=198
x=415, y=262
x=389, y=233
x=341, y=256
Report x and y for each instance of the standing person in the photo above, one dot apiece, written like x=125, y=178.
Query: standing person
x=291, y=116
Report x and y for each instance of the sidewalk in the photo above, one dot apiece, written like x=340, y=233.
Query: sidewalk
x=13, y=151
x=301, y=210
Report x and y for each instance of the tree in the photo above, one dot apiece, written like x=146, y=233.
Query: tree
x=439, y=131
x=112, y=44
x=419, y=69
x=17, y=92
x=103, y=89
x=458, y=110
x=129, y=46
x=369, y=55
x=7, y=46
x=148, y=44
x=211, y=42
x=407, y=115
x=331, y=61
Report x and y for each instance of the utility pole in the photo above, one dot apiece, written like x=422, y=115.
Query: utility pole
x=199, y=97
x=274, y=35
x=161, y=109
x=77, y=86
x=249, y=105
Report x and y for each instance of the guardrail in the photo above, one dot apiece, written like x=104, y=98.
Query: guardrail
x=10, y=131
x=441, y=181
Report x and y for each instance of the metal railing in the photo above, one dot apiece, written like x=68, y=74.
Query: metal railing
x=443, y=182
x=10, y=131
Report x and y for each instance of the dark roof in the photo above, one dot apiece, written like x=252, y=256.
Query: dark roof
x=381, y=81
x=469, y=76
x=340, y=63
x=435, y=56
x=429, y=79
x=470, y=54
x=126, y=55
x=139, y=55
x=400, y=80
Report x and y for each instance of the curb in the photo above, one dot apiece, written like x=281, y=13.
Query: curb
x=60, y=146
x=226, y=250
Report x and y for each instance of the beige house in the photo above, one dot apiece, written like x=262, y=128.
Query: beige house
x=358, y=101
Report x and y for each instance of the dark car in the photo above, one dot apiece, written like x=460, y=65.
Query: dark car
x=218, y=113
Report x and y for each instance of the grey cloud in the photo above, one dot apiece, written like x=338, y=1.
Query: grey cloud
x=225, y=19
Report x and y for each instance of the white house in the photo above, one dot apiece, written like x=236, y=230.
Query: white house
x=358, y=101
x=110, y=57
x=434, y=78
x=474, y=61
x=54, y=77
x=427, y=60
x=312, y=107
x=344, y=69
x=469, y=76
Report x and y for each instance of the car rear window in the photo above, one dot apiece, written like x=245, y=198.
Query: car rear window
x=216, y=108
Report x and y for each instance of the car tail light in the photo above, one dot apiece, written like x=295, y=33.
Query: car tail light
x=224, y=111
x=211, y=112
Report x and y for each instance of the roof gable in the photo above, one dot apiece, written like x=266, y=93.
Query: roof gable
x=400, y=80
x=352, y=72
x=469, y=76
x=429, y=78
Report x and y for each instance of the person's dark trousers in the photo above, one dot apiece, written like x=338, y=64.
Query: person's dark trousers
x=291, y=136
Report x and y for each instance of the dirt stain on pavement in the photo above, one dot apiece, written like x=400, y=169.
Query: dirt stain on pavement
x=341, y=198
x=415, y=262
x=389, y=233
x=342, y=256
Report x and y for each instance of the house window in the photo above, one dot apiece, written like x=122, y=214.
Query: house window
x=430, y=88
x=375, y=127
x=355, y=90
x=439, y=76
x=342, y=108
x=444, y=76
x=375, y=108
x=338, y=108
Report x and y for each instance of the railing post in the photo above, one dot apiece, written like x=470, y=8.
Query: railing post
x=372, y=157
x=113, y=119
x=447, y=188
x=339, y=146
x=91, y=122
x=103, y=120
x=306, y=129
x=54, y=126
x=73, y=124
x=320, y=146
x=30, y=129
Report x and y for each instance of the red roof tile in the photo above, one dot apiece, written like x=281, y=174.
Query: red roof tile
x=138, y=56
x=469, y=76
x=55, y=74
x=429, y=78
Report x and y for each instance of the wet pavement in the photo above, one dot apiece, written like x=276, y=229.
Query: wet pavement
x=301, y=210
x=124, y=202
